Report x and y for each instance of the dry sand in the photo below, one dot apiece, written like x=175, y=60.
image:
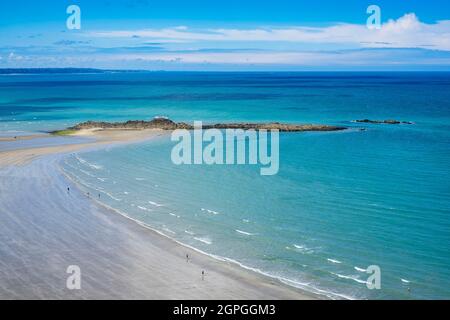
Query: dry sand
x=44, y=229
x=100, y=138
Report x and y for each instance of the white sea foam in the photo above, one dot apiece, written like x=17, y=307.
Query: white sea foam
x=140, y=179
x=360, y=269
x=334, y=261
x=87, y=173
x=303, y=249
x=189, y=232
x=88, y=185
x=174, y=215
x=156, y=204
x=405, y=281
x=126, y=192
x=349, y=278
x=111, y=196
x=144, y=208
x=91, y=165
x=168, y=230
x=295, y=283
x=203, y=239
x=246, y=220
x=210, y=211
x=245, y=233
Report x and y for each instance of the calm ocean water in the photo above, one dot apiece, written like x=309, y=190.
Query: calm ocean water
x=341, y=201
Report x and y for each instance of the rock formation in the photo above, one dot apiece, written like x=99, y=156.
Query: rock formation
x=390, y=121
x=167, y=124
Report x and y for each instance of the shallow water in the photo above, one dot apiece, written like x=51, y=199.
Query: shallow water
x=319, y=223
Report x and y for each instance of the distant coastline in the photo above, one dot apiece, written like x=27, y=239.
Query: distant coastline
x=6, y=71
x=63, y=70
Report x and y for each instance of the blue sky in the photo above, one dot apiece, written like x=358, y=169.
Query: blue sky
x=227, y=35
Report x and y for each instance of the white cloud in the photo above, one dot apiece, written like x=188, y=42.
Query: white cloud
x=369, y=57
x=406, y=32
x=14, y=57
x=340, y=45
x=389, y=59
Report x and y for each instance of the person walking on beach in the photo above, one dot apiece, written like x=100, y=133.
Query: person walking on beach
x=68, y=190
x=99, y=195
x=187, y=257
x=203, y=275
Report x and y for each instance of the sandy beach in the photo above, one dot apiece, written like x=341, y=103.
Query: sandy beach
x=99, y=138
x=45, y=229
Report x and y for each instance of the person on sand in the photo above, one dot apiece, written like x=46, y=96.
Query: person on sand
x=187, y=257
x=68, y=190
x=99, y=195
x=203, y=275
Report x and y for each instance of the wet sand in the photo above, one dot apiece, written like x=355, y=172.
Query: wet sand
x=44, y=229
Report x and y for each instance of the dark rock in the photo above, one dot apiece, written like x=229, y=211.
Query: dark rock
x=167, y=124
x=389, y=121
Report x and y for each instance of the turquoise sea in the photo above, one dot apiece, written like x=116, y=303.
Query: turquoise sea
x=341, y=201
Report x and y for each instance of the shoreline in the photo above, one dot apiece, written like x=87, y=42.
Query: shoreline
x=228, y=261
x=233, y=281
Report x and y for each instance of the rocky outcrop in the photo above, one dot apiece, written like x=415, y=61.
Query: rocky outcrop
x=167, y=124
x=383, y=121
x=283, y=127
x=156, y=123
